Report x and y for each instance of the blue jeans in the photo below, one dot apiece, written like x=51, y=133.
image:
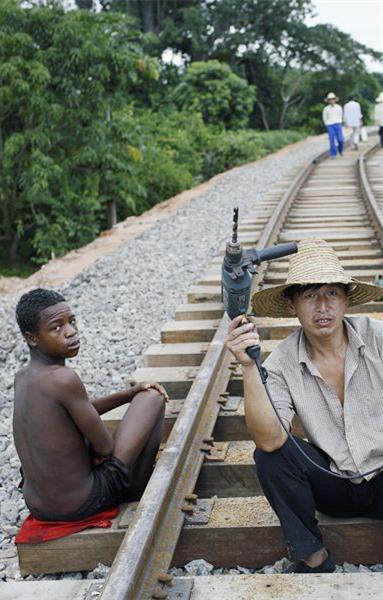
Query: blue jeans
x=335, y=134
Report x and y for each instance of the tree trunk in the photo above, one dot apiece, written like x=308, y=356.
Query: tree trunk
x=112, y=213
x=13, y=250
x=283, y=114
x=147, y=16
x=4, y=206
x=111, y=204
x=263, y=115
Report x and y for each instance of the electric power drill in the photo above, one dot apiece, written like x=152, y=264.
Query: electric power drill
x=236, y=279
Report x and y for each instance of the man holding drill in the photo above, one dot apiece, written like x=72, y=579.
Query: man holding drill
x=328, y=372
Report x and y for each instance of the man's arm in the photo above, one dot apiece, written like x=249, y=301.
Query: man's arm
x=261, y=420
x=72, y=395
x=106, y=403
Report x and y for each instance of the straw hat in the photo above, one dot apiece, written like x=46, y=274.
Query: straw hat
x=315, y=262
x=379, y=98
x=331, y=96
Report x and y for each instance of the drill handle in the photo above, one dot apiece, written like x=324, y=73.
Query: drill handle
x=254, y=352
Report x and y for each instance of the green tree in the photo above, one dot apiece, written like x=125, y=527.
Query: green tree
x=63, y=154
x=212, y=89
x=268, y=42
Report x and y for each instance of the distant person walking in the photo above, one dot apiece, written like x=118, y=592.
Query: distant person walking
x=352, y=117
x=379, y=116
x=332, y=118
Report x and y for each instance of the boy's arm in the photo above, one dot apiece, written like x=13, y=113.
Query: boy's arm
x=106, y=403
x=71, y=393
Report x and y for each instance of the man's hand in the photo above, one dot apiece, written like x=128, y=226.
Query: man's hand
x=239, y=338
x=143, y=386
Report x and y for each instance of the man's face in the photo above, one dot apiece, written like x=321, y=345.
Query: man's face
x=332, y=101
x=57, y=332
x=320, y=311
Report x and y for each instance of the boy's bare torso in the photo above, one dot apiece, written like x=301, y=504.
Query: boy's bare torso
x=55, y=455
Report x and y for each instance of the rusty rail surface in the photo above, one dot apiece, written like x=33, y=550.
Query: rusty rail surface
x=372, y=206
x=145, y=554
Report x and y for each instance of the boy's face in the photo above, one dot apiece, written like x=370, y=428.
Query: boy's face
x=57, y=332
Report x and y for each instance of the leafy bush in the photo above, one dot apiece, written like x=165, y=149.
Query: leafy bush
x=172, y=154
x=178, y=150
x=314, y=122
x=222, y=97
x=230, y=149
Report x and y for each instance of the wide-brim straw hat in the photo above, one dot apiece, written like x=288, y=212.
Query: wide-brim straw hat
x=331, y=96
x=315, y=262
x=379, y=98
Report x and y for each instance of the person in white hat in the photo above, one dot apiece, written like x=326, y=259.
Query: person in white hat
x=329, y=373
x=332, y=117
x=352, y=116
x=379, y=116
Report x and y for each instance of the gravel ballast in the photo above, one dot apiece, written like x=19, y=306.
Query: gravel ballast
x=123, y=300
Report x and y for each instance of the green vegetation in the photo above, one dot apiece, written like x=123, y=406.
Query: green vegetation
x=94, y=121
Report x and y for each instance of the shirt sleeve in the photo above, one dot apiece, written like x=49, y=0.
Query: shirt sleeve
x=281, y=397
x=324, y=116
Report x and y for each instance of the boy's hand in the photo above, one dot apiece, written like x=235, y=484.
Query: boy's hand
x=143, y=386
x=239, y=338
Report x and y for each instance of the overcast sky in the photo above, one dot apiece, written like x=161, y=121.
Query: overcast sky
x=362, y=19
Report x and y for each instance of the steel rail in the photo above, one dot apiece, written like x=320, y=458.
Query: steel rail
x=147, y=548
x=145, y=554
x=372, y=206
x=274, y=225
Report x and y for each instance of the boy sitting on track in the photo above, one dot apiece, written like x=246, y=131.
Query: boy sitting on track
x=72, y=467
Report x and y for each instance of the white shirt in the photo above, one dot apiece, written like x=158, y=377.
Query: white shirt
x=352, y=114
x=332, y=114
x=379, y=114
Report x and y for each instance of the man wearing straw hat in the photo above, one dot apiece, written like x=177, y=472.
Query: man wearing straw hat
x=328, y=372
x=332, y=118
x=379, y=116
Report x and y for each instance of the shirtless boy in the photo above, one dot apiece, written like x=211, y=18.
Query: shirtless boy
x=72, y=466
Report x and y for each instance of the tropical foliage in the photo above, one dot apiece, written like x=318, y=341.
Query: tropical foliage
x=108, y=112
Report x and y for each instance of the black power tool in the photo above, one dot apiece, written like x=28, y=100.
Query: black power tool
x=237, y=268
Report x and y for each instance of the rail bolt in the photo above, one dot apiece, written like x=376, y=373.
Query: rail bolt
x=165, y=578
x=222, y=401
x=188, y=508
x=209, y=441
x=159, y=594
x=206, y=449
x=192, y=498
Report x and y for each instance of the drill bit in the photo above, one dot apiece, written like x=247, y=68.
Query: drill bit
x=235, y=225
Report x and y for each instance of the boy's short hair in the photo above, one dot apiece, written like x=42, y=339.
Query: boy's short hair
x=31, y=304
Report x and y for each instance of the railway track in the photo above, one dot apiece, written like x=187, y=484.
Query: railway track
x=204, y=500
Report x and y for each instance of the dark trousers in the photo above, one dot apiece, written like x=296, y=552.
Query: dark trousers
x=295, y=489
x=381, y=135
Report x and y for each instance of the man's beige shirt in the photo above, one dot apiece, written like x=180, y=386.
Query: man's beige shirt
x=352, y=434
